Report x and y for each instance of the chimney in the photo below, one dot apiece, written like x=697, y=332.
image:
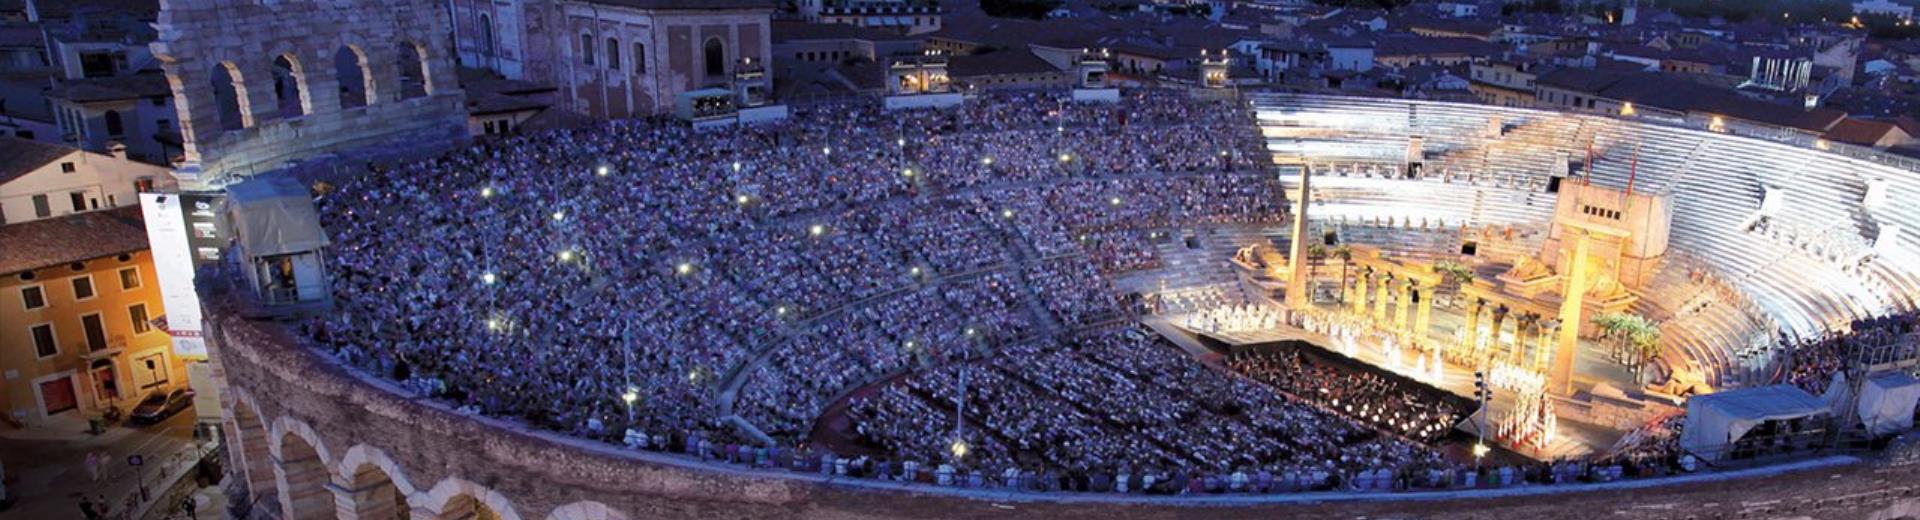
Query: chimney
x=118, y=150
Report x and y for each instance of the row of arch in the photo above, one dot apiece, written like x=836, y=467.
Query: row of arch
x=293, y=84
x=287, y=466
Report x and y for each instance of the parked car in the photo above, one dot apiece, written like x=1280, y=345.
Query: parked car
x=160, y=405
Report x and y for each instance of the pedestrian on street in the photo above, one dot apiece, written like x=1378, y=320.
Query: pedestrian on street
x=93, y=466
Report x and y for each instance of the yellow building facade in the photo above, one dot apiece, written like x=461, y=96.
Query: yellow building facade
x=79, y=303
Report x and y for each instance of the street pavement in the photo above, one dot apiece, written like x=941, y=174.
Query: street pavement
x=46, y=471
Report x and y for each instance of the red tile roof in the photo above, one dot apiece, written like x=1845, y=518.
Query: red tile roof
x=72, y=238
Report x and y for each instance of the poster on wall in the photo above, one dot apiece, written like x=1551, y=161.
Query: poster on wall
x=179, y=232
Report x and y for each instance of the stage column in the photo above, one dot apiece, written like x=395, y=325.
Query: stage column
x=1381, y=300
x=1423, y=319
x=1495, y=345
x=1403, y=298
x=1544, y=355
x=1360, y=293
x=1472, y=346
x=1522, y=334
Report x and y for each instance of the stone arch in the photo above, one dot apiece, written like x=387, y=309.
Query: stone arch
x=254, y=453
x=231, y=108
x=456, y=498
x=411, y=60
x=301, y=471
x=714, y=54
x=372, y=486
x=585, y=511
x=356, y=76
x=291, y=93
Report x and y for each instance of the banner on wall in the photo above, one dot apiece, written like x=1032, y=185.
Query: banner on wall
x=182, y=236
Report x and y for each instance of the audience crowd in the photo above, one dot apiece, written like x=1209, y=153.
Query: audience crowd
x=643, y=275
x=645, y=283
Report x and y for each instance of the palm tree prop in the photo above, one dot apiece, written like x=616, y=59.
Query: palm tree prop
x=1630, y=334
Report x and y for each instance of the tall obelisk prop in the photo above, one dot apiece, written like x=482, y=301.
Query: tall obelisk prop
x=1297, y=254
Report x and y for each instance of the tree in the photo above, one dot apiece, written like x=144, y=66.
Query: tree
x=1634, y=338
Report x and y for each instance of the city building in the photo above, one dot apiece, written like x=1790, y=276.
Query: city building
x=904, y=16
x=616, y=58
x=1507, y=83
x=78, y=300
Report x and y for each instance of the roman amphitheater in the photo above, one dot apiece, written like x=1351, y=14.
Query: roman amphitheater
x=1031, y=307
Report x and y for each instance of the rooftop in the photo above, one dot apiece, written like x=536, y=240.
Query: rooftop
x=687, y=4
x=19, y=156
x=72, y=238
x=115, y=88
x=1011, y=61
x=786, y=31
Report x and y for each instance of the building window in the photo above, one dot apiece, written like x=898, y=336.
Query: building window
x=613, y=54
x=716, y=57
x=33, y=297
x=130, y=278
x=639, y=58
x=66, y=167
x=138, y=314
x=83, y=287
x=79, y=199
x=115, y=126
x=95, y=331
x=586, y=48
x=486, y=34
x=41, y=207
x=44, y=345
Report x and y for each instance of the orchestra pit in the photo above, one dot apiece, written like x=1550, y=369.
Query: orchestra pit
x=1179, y=302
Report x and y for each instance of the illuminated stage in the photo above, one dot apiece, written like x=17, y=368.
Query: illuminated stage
x=1574, y=438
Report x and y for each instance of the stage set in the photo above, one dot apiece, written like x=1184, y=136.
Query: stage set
x=1524, y=327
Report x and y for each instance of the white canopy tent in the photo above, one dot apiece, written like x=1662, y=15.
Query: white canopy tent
x=1715, y=421
x=278, y=231
x=1887, y=403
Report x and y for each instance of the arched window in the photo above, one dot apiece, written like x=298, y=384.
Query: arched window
x=639, y=58
x=228, y=95
x=289, y=87
x=613, y=54
x=115, y=127
x=586, y=48
x=356, y=86
x=716, y=56
x=413, y=71
x=486, y=35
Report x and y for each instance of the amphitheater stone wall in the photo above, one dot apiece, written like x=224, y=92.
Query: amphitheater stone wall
x=322, y=442
x=260, y=83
